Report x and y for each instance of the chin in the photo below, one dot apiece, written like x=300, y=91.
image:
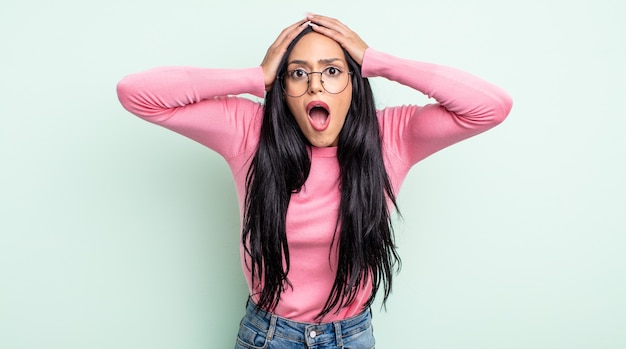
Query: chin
x=322, y=143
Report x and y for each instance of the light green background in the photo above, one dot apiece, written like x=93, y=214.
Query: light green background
x=115, y=233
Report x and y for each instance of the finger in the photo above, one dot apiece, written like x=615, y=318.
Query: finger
x=289, y=33
x=331, y=33
x=328, y=22
x=339, y=32
x=279, y=46
x=276, y=51
x=333, y=28
x=345, y=37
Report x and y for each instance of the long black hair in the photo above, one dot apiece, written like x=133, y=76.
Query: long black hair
x=280, y=167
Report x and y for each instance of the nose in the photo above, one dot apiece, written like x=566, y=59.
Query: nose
x=315, y=82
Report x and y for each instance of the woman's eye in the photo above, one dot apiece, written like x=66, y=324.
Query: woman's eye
x=332, y=71
x=298, y=74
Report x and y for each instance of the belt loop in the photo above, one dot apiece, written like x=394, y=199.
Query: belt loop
x=272, y=328
x=338, y=334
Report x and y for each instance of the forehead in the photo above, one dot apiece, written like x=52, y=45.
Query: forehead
x=315, y=47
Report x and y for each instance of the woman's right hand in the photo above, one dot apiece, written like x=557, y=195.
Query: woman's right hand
x=276, y=52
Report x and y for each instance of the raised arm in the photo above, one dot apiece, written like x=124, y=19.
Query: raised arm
x=466, y=105
x=195, y=102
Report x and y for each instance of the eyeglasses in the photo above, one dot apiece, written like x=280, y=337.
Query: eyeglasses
x=295, y=82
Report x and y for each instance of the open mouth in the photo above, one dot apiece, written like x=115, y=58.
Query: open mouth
x=319, y=115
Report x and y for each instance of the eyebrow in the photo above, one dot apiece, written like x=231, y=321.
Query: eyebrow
x=322, y=61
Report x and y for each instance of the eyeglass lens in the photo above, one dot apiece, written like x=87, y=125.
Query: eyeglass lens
x=296, y=82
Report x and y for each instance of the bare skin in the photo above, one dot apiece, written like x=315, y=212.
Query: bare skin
x=339, y=32
x=314, y=53
x=319, y=114
x=327, y=26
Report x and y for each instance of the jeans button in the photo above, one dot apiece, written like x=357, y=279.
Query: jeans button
x=312, y=334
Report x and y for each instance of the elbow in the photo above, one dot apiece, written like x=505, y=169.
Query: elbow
x=501, y=108
x=124, y=94
x=507, y=105
x=134, y=99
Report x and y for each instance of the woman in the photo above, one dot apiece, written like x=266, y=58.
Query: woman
x=316, y=168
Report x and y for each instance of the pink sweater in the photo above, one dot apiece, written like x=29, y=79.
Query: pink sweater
x=199, y=103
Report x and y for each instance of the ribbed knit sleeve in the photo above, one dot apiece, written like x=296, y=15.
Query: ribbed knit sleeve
x=466, y=105
x=198, y=103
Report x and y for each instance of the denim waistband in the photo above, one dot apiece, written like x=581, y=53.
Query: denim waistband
x=307, y=332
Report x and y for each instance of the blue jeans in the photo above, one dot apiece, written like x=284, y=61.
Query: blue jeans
x=263, y=330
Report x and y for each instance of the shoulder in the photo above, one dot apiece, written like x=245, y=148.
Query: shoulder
x=394, y=119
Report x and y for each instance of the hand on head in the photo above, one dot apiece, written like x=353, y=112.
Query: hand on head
x=339, y=32
x=277, y=50
x=329, y=27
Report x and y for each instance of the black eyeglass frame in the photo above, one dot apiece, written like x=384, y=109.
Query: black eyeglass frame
x=280, y=79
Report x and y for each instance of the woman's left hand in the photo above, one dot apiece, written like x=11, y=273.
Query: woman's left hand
x=339, y=32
